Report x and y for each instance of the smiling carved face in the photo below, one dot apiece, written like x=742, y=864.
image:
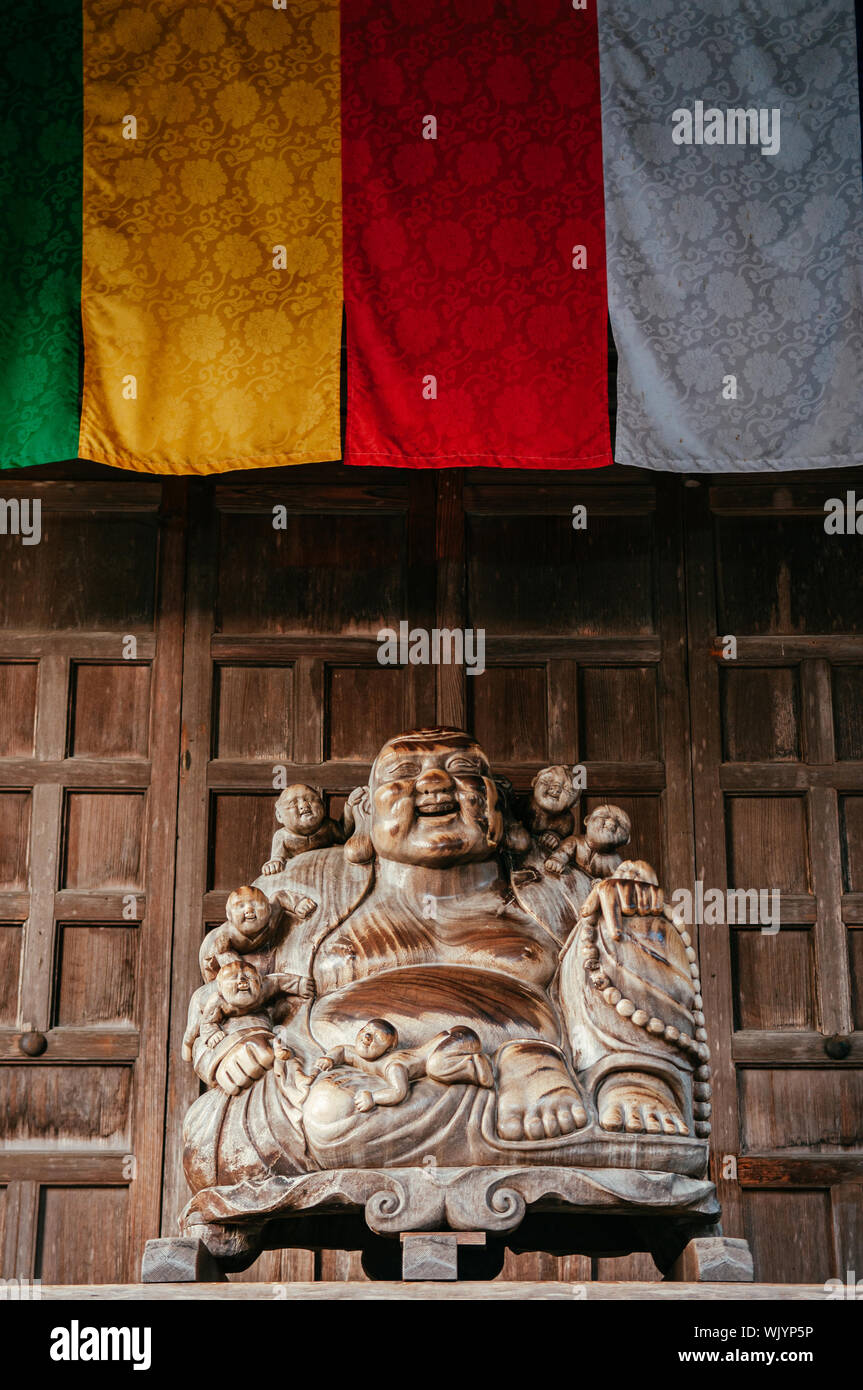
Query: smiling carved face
x=433, y=801
x=239, y=983
x=248, y=909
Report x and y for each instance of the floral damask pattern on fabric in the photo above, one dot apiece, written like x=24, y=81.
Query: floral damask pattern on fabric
x=40, y=227
x=472, y=165
x=207, y=346
x=735, y=277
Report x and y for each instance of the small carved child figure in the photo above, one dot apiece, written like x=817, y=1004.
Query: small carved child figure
x=549, y=815
x=453, y=1055
x=246, y=928
x=304, y=825
x=607, y=829
x=239, y=1003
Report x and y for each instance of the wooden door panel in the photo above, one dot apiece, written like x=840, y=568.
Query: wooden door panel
x=90, y=666
x=775, y=731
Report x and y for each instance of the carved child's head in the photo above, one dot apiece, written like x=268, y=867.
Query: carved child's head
x=553, y=789
x=607, y=828
x=375, y=1038
x=248, y=910
x=301, y=808
x=239, y=983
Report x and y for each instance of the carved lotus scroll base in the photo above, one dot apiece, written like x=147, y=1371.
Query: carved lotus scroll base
x=646, y=1209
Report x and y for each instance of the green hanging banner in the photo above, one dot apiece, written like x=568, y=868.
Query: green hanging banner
x=41, y=104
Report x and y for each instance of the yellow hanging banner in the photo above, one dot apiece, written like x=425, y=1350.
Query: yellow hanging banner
x=212, y=261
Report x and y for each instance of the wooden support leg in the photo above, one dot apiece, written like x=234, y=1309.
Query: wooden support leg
x=179, y=1260
x=713, y=1260
x=434, y=1254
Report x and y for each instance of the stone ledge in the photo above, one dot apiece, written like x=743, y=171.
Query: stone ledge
x=498, y=1291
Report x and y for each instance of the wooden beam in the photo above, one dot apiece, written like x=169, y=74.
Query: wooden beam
x=83, y=646
x=137, y=496
x=381, y=498
x=14, y=906
x=769, y=1170
x=792, y=1049
x=75, y=1044
x=67, y=1167
x=76, y=905
x=790, y=777
x=513, y=499
x=787, y=649
x=99, y=774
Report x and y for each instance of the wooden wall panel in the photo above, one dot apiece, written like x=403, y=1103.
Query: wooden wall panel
x=618, y=714
x=535, y=575
x=508, y=713
x=110, y=710
x=767, y=843
x=15, y=810
x=851, y=822
x=855, y=951
x=363, y=704
x=11, y=941
x=760, y=714
x=343, y=575
x=780, y=574
x=790, y=1236
x=82, y=1104
x=104, y=840
x=784, y=1110
x=78, y=1224
x=848, y=711
x=18, y=680
x=97, y=971
x=253, y=712
x=92, y=572
x=242, y=830
x=759, y=961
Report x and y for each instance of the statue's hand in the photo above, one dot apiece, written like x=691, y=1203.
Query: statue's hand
x=247, y=1064
x=555, y=864
x=306, y=988
x=323, y=1064
x=364, y=1101
x=305, y=907
x=215, y=1038
x=549, y=840
x=273, y=866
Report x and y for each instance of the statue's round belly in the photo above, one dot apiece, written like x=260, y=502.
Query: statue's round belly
x=420, y=1000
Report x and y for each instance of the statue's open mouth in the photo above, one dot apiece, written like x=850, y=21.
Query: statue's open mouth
x=436, y=810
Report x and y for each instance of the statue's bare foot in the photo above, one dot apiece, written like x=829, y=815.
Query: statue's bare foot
x=536, y=1096
x=638, y=1103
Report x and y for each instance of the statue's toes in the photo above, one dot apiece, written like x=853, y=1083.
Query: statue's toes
x=579, y=1114
x=566, y=1121
x=510, y=1126
x=669, y=1124
x=550, y=1124
x=612, y=1116
x=534, y=1127
x=652, y=1121
x=635, y=1120
x=682, y=1126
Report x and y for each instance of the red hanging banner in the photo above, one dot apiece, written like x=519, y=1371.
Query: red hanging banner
x=474, y=241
